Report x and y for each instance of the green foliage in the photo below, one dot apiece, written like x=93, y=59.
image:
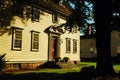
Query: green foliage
x=2, y=62
x=81, y=14
x=57, y=59
x=5, y=12
x=66, y=59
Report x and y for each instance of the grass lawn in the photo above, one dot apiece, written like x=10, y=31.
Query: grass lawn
x=115, y=66
x=51, y=74
x=43, y=74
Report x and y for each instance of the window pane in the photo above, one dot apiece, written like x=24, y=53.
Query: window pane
x=74, y=46
x=36, y=14
x=17, y=39
x=17, y=44
x=54, y=17
x=35, y=41
x=68, y=45
x=35, y=45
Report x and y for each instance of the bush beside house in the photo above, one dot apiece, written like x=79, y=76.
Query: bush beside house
x=2, y=62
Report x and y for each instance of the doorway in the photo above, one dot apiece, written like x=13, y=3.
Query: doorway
x=54, y=47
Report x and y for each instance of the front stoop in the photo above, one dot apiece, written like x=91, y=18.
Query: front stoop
x=69, y=64
x=59, y=65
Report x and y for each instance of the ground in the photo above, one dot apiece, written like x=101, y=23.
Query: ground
x=82, y=72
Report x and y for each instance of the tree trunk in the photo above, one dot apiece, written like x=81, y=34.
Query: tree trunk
x=103, y=14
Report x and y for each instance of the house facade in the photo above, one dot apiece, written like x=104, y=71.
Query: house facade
x=88, y=45
x=38, y=36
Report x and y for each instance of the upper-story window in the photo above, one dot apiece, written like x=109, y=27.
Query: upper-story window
x=54, y=17
x=75, y=29
x=34, y=41
x=16, y=39
x=68, y=45
x=36, y=14
x=74, y=46
x=26, y=11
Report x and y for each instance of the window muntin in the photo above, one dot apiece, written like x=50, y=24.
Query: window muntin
x=74, y=46
x=68, y=45
x=17, y=39
x=34, y=41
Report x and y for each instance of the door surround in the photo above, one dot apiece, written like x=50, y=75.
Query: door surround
x=51, y=37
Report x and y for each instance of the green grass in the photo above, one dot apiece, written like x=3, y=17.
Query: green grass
x=115, y=66
x=44, y=74
x=67, y=70
x=52, y=74
x=87, y=64
x=59, y=71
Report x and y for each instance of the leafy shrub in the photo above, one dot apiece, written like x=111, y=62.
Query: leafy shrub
x=2, y=62
x=57, y=59
x=66, y=59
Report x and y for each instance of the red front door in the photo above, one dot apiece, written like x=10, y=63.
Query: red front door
x=54, y=48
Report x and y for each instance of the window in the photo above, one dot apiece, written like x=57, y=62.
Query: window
x=75, y=29
x=34, y=41
x=36, y=14
x=68, y=45
x=55, y=17
x=74, y=46
x=16, y=39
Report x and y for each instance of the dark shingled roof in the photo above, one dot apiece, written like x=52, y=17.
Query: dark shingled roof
x=66, y=9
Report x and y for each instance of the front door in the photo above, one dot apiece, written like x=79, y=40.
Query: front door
x=54, y=48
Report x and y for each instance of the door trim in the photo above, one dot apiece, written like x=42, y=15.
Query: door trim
x=50, y=37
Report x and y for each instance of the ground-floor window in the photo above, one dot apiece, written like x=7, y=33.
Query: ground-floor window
x=16, y=38
x=34, y=41
x=74, y=46
x=68, y=45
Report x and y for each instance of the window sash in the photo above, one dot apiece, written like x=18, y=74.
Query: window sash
x=68, y=45
x=35, y=41
x=36, y=14
x=17, y=39
x=54, y=17
x=74, y=46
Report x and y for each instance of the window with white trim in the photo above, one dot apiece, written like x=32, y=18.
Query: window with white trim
x=74, y=46
x=68, y=45
x=16, y=39
x=34, y=41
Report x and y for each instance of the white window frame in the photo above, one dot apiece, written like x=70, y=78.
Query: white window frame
x=68, y=45
x=74, y=45
x=16, y=36
x=34, y=41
